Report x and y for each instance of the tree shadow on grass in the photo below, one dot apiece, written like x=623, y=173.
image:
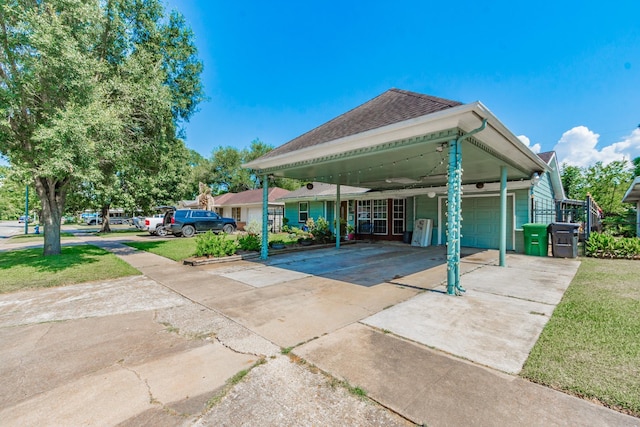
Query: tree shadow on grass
x=70, y=257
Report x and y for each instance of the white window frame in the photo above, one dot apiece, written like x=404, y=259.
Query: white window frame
x=380, y=216
x=398, y=217
x=301, y=211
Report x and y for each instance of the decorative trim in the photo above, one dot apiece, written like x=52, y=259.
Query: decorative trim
x=441, y=136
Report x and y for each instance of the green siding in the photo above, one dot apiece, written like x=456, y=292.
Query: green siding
x=543, y=198
x=522, y=208
x=426, y=208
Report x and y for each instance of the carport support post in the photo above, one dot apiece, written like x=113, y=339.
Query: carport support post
x=264, y=249
x=503, y=215
x=453, y=218
x=337, y=216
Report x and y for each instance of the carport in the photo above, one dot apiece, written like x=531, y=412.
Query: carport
x=404, y=140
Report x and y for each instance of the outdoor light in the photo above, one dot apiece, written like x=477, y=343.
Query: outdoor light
x=431, y=194
x=535, y=178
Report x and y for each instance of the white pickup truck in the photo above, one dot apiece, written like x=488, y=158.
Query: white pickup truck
x=151, y=225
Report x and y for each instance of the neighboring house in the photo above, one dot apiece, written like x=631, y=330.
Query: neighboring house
x=246, y=206
x=633, y=196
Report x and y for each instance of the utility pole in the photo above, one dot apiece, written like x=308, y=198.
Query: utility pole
x=26, y=210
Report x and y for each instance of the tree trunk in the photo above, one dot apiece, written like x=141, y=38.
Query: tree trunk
x=105, y=219
x=52, y=194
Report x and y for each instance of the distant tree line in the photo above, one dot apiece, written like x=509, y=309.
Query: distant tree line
x=607, y=185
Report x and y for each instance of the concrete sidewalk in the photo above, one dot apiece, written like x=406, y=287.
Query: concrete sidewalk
x=428, y=357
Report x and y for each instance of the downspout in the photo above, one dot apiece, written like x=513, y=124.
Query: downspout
x=264, y=246
x=454, y=212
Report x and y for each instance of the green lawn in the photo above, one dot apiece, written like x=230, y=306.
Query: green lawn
x=28, y=268
x=176, y=248
x=591, y=345
x=35, y=237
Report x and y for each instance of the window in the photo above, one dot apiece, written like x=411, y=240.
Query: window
x=380, y=216
x=235, y=213
x=364, y=217
x=303, y=212
x=398, y=216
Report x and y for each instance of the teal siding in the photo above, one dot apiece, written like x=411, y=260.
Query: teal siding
x=426, y=208
x=543, y=199
x=316, y=210
x=522, y=207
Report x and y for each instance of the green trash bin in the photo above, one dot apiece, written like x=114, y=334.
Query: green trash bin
x=536, y=239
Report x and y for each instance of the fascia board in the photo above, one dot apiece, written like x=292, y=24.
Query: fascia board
x=633, y=193
x=508, y=136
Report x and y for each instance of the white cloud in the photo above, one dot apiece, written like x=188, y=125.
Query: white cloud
x=578, y=147
x=526, y=141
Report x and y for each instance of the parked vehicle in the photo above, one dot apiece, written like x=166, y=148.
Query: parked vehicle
x=93, y=219
x=153, y=224
x=22, y=219
x=188, y=222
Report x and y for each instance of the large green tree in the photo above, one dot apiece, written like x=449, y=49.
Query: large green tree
x=606, y=183
x=228, y=175
x=88, y=90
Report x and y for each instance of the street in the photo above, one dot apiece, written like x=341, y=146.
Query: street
x=10, y=228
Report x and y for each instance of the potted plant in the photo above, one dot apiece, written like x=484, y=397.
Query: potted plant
x=277, y=244
x=351, y=235
x=305, y=239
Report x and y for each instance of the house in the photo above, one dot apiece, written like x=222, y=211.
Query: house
x=246, y=206
x=421, y=156
x=531, y=203
x=633, y=196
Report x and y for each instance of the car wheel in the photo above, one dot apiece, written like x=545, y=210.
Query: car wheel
x=188, y=231
x=161, y=231
x=228, y=229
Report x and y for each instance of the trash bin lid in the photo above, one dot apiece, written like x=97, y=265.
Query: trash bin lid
x=535, y=226
x=564, y=226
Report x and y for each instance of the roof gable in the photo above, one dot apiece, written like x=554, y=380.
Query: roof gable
x=393, y=106
x=321, y=189
x=249, y=197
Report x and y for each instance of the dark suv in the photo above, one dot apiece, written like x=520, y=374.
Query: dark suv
x=188, y=222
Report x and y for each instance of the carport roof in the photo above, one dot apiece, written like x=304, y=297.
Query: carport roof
x=393, y=106
x=399, y=140
x=633, y=193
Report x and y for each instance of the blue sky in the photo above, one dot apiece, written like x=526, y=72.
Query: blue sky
x=563, y=74
x=551, y=71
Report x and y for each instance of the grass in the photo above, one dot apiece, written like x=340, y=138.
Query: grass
x=37, y=237
x=591, y=345
x=176, y=249
x=29, y=269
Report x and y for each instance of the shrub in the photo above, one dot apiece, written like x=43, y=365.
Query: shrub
x=605, y=245
x=250, y=242
x=321, y=232
x=210, y=244
x=254, y=228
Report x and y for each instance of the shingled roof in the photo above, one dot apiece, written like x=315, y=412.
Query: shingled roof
x=546, y=156
x=392, y=106
x=249, y=197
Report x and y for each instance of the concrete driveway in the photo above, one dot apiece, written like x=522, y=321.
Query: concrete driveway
x=162, y=349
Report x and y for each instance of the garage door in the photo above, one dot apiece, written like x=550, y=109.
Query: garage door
x=481, y=222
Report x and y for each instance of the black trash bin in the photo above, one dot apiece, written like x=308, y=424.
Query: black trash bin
x=564, y=239
x=406, y=236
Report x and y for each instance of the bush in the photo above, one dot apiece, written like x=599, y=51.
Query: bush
x=254, y=228
x=321, y=232
x=215, y=245
x=250, y=242
x=605, y=245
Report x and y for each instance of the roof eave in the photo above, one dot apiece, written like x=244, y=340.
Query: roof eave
x=460, y=117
